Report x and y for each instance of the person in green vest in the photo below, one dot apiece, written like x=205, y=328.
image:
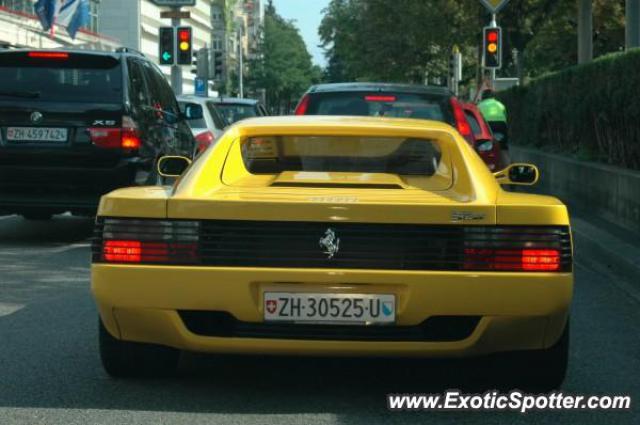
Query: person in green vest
x=495, y=114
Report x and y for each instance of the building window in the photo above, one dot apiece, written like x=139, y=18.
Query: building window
x=217, y=15
x=93, y=15
x=217, y=44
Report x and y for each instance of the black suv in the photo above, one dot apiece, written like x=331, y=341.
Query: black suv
x=75, y=125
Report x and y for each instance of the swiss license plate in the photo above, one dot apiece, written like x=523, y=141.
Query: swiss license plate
x=36, y=134
x=346, y=309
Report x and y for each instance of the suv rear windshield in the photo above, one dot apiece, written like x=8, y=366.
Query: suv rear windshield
x=348, y=154
x=61, y=77
x=393, y=105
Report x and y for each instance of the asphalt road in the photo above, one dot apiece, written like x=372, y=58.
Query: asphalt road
x=50, y=371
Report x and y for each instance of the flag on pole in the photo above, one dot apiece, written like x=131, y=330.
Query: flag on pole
x=46, y=12
x=79, y=18
x=72, y=14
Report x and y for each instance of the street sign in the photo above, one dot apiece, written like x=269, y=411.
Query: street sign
x=201, y=88
x=175, y=14
x=494, y=6
x=174, y=3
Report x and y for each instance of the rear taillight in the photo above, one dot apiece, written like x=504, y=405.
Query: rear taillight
x=461, y=121
x=204, y=140
x=147, y=241
x=49, y=55
x=534, y=260
x=126, y=251
x=302, y=107
x=125, y=137
x=380, y=98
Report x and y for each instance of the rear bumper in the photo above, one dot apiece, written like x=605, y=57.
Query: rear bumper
x=61, y=188
x=516, y=311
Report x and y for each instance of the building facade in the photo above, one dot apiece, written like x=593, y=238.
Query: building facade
x=136, y=24
x=237, y=30
x=20, y=27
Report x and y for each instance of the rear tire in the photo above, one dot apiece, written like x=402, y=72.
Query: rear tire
x=537, y=370
x=124, y=359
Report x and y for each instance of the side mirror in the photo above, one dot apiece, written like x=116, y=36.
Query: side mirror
x=519, y=174
x=173, y=166
x=193, y=111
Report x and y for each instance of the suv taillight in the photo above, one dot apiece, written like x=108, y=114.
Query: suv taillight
x=301, y=109
x=147, y=241
x=126, y=137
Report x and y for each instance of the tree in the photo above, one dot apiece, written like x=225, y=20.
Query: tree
x=282, y=65
x=410, y=40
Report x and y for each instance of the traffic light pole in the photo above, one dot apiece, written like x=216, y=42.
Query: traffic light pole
x=176, y=70
x=633, y=23
x=493, y=24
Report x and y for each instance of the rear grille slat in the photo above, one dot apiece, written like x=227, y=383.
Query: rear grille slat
x=236, y=243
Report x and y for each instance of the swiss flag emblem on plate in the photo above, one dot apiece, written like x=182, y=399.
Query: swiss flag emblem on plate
x=271, y=306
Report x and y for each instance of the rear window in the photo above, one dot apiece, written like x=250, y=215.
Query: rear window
x=347, y=154
x=62, y=77
x=473, y=122
x=234, y=112
x=218, y=120
x=392, y=105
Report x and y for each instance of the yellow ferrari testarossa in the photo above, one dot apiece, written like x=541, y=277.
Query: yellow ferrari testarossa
x=334, y=236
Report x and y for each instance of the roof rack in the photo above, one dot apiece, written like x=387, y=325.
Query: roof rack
x=129, y=50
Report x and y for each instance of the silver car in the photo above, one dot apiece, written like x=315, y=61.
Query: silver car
x=209, y=126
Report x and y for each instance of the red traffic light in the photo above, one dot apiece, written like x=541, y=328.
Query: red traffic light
x=492, y=36
x=184, y=35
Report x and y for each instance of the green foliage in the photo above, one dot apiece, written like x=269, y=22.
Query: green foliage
x=410, y=40
x=589, y=111
x=282, y=65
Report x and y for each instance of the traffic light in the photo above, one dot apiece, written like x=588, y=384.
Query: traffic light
x=183, y=40
x=218, y=65
x=201, y=63
x=167, y=46
x=492, y=47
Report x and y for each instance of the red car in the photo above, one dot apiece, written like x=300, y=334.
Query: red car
x=484, y=142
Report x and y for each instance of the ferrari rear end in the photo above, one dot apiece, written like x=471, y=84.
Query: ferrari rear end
x=337, y=237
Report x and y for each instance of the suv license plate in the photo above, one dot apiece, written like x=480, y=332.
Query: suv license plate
x=36, y=134
x=345, y=309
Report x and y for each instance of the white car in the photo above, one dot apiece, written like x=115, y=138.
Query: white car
x=207, y=129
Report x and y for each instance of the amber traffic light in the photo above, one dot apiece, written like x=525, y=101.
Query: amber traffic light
x=183, y=41
x=492, y=47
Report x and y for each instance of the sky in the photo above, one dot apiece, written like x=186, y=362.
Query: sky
x=307, y=15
